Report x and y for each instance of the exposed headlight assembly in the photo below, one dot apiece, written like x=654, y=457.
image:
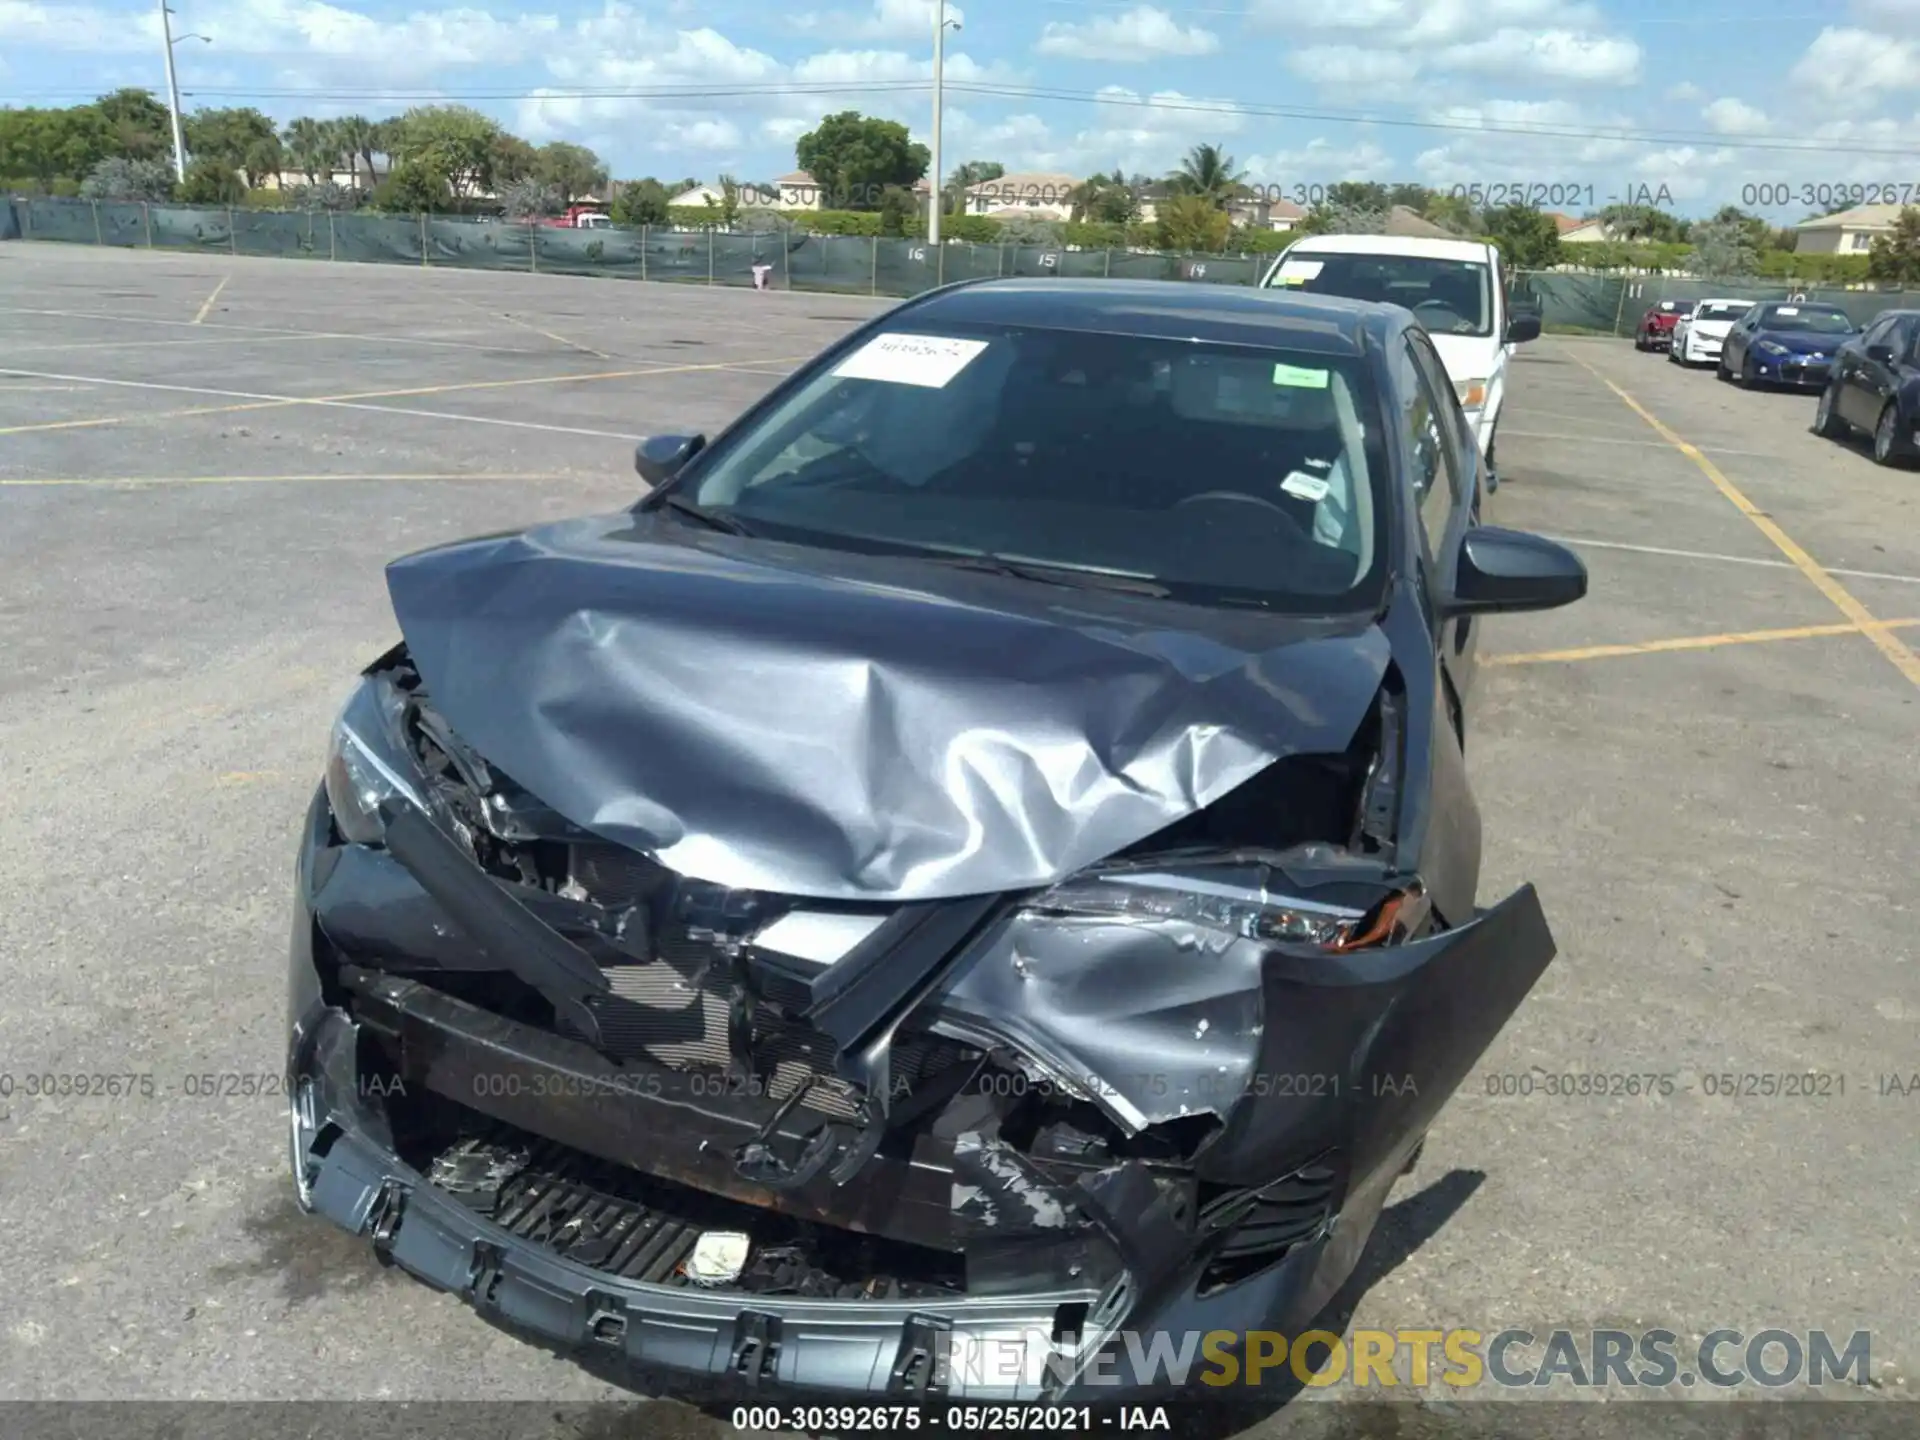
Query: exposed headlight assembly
x=367, y=762
x=1234, y=902
x=1472, y=393
x=1773, y=347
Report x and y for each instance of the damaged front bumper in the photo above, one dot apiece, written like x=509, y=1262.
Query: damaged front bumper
x=1255, y=1105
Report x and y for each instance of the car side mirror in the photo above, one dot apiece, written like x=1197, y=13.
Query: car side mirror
x=1508, y=571
x=1523, y=328
x=659, y=458
x=1880, y=353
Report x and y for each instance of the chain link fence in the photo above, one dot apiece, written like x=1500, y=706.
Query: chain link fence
x=1613, y=304
x=845, y=264
x=842, y=264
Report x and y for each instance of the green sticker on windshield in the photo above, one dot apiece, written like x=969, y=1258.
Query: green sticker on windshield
x=1300, y=376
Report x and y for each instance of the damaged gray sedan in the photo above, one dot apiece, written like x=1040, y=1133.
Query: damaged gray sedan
x=982, y=850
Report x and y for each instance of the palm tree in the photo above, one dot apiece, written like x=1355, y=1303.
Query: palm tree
x=354, y=135
x=309, y=148
x=1207, y=170
x=964, y=177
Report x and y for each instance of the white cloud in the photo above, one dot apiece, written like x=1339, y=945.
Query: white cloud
x=1568, y=55
x=1729, y=116
x=1343, y=66
x=1686, y=92
x=887, y=20
x=74, y=27
x=1847, y=63
x=1142, y=33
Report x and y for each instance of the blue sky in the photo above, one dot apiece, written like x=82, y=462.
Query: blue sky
x=1606, y=99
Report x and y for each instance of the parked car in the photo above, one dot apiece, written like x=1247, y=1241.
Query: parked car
x=1697, y=337
x=1655, y=330
x=1457, y=289
x=1780, y=343
x=857, y=900
x=1875, y=386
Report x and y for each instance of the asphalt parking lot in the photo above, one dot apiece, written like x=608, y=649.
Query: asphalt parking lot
x=1708, y=768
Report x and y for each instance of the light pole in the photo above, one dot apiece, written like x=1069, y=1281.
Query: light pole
x=173, y=89
x=937, y=200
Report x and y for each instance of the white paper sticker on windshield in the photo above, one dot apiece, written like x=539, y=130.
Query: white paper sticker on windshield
x=1788, y=310
x=1303, y=377
x=1298, y=272
x=1306, y=487
x=926, y=360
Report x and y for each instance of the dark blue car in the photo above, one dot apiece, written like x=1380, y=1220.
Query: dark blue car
x=1785, y=343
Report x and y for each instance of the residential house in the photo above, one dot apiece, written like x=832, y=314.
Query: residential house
x=1565, y=225
x=1250, y=210
x=1404, y=221
x=698, y=196
x=1850, y=232
x=800, y=191
x=345, y=179
x=1024, y=195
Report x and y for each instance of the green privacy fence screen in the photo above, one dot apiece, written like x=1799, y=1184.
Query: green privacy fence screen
x=847, y=264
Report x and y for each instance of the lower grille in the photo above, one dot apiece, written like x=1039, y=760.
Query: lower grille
x=637, y=1228
x=1268, y=1224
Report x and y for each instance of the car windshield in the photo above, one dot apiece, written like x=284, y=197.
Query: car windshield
x=1217, y=474
x=1723, y=309
x=1450, y=297
x=1676, y=307
x=1802, y=317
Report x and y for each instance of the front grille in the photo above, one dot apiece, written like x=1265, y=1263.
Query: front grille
x=633, y=1226
x=1267, y=1225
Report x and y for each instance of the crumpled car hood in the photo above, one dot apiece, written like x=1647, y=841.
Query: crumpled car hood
x=846, y=727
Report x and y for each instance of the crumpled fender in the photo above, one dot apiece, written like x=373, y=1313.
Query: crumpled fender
x=754, y=721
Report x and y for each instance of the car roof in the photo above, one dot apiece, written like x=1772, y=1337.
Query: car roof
x=1165, y=310
x=1413, y=246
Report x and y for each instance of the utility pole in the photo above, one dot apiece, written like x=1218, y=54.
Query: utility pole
x=936, y=202
x=173, y=95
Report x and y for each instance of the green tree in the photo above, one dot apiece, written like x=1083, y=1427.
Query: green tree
x=514, y=159
x=964, y=178
x=1456, y=212
x=1415, y=197
x=854, y=157
x=1107, y=200
x=574, y=170
x=1361, y=195
x=309, y=148
x=640, y=202
x=212, y=181
x=354, y=134
x=118, y=178
x=53, y=145
x=1642, y=222
x=456, y=142
x=1208, y=172
x=898, y=211
x=140, y=126
x=415, y=185
x=1334, y=217
x=1896, y=256
x=1192, y=221
x=1528, y=239
x=230, y=137
x=527, y=199
x=1727, y=245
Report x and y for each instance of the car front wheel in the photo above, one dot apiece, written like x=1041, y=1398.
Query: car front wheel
x=1826, y=419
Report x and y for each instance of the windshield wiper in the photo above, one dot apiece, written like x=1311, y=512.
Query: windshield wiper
x=1070, y=576
x=712, y=519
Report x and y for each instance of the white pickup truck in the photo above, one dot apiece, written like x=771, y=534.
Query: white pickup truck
x=1457, y=289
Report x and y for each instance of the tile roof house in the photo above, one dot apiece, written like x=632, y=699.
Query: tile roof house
x=1850, y=232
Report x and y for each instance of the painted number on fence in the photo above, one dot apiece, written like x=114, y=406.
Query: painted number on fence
x=1049, y=260
x=919, y=252
x=1199, y=272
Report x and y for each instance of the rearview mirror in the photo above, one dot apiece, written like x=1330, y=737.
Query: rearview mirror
x=1507, y=571
x=659, y=458
x=1522, y=328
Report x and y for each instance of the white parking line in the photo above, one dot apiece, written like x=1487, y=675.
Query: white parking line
x=1578, y=542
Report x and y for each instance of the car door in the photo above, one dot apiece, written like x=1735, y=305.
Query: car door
x=1875, y=370
x=1450, y=489
x=1739, y=338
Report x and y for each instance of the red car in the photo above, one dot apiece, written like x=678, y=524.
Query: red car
x=1656, y=326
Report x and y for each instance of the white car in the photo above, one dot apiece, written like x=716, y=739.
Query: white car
x=1697, y=338
x=1456, y=289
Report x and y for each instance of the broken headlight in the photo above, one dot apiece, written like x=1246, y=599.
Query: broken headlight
x=1236, y=903
x=368, y=763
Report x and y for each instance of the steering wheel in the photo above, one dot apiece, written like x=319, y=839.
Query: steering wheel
x=1241, y=497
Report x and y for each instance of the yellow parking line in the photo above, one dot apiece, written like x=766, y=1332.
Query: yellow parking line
x=1876, y=630
x=269, y=402
x=1684, y=642
x=206, y=308
x=559, y=340
x=140, y=480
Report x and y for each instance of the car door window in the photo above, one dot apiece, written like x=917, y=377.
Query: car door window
x=1431, y=439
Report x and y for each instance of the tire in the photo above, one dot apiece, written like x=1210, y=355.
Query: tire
x=1748, y=380
x=1720, y=371
x=1827, y=423
x=1886, y=436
